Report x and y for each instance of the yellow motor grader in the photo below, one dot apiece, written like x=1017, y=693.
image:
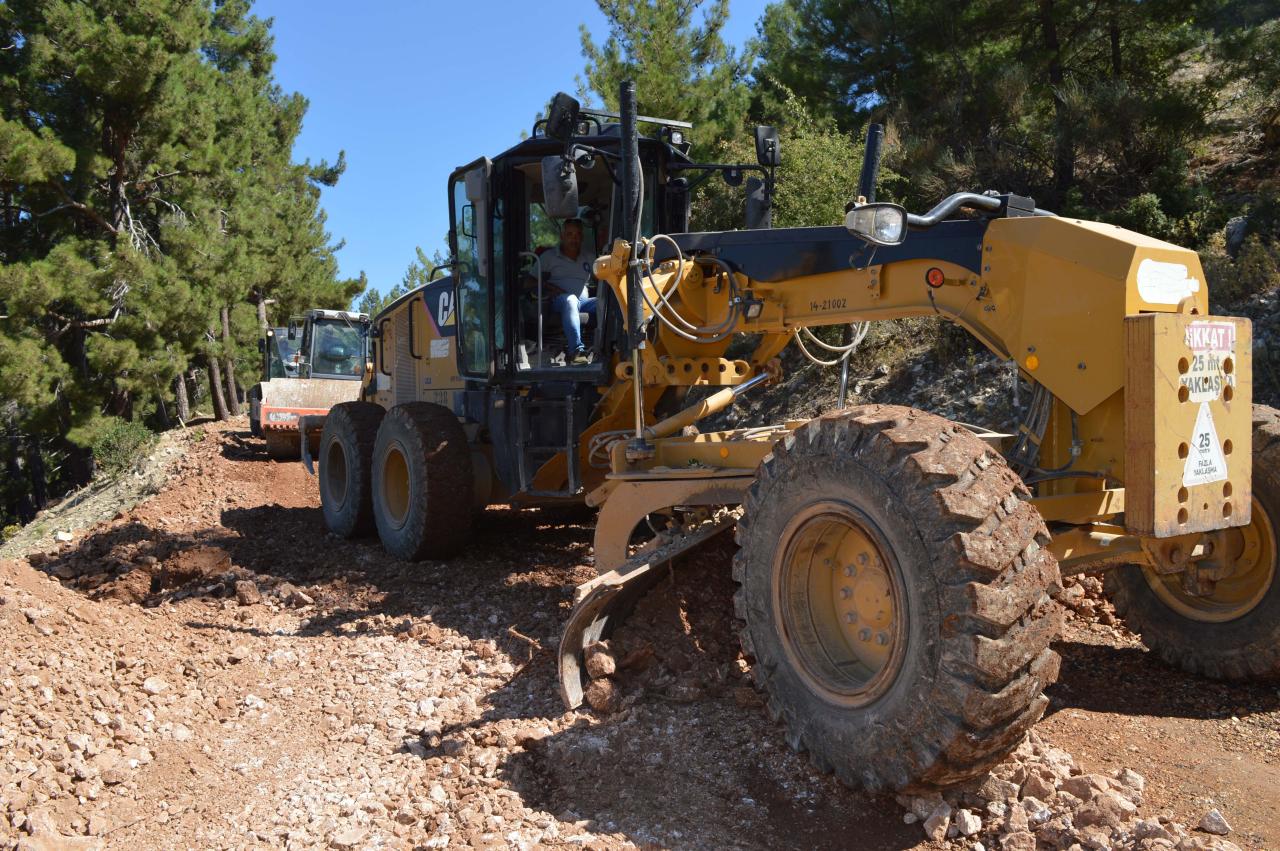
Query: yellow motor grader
x=895, y=569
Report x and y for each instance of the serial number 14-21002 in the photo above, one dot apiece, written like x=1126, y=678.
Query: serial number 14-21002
x=829, y=304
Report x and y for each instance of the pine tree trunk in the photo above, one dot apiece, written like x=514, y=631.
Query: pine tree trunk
x=233, y=396
x=215, y=389
x=1117, y=54
x=262, y=314
x=181, y=400
x=35, y=469
x=1064, y=154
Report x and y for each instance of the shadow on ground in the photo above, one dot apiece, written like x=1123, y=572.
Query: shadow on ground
x=1133, y=681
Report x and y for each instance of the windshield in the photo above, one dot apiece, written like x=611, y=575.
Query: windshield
x=337, y=349
x=280, y=355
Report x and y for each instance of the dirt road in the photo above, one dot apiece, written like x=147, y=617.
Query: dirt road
x=209, y=669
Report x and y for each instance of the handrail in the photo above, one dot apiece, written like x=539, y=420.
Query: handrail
x=382, y=358
x=412, y=335
x=537, y=261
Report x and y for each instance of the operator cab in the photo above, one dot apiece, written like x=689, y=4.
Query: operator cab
x=507, y=220
x=334, y=344
x=500, y=231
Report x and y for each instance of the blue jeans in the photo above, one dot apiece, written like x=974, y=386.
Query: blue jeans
x=569, y=305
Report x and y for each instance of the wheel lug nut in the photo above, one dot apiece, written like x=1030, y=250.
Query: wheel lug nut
x=882, y=638
x=864, y=634
x=863, y=558
x=846, y=592
x=850, y=570
x=851, y=617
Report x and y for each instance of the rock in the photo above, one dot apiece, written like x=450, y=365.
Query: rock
x=292, y=595
x=921, y=806
x=1235, y=232
x=967, y=822
x=1059, y=762
x=114, y=776
x=935, y=826
x=603, y=696
x=1131, y=779
x=347, y=838
x=1020, y=840
x=238, y=653
x=1106, y=809
x=154, y=685
x=600, y=660
x=63, y=537
x=1151, y=829
x=1016, y=821
x=1214, y=822
x=996, y=789
x=1038, y=787
x=1084, y=786
x=1037, y=812
x=247, y=593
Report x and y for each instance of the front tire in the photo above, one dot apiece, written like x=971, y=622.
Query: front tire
x=423, y=491
x=895, y=590
x=346, y=467
x=1233, y=633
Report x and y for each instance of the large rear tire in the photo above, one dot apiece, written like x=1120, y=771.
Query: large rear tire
x=1233, y=633
x=896, y=591
x=423, y=491
x=346, y=467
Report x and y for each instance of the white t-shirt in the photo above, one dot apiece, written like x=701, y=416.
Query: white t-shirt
x=564, y=273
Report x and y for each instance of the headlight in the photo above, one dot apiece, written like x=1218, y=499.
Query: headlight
x=883, y=224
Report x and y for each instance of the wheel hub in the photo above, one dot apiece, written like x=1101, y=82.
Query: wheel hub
x=838, y=600
x=1229, y=576
x=395, y=485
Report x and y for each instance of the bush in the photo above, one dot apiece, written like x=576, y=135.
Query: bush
x=1256, y=269
x=121, y=446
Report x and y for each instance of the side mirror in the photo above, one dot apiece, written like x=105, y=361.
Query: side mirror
x=562, y=117
x=767, y=153
x=468, y=223
x=882, y=224
x=559, y=187
x=293, y=330
x=262, y=346
x=759, y=204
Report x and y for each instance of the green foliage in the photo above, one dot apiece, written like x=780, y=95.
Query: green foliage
x=682, y=68
x=818, y=175
x=1035, y=97
x=1254, y=270
x=121, y=445
x=146, y=183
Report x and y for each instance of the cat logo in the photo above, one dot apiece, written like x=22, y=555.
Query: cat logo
x=445, y=309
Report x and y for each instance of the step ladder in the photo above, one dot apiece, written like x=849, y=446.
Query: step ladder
x=527, y=409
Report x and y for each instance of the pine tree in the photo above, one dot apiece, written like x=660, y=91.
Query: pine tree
x=682, y=68
x=146, y=185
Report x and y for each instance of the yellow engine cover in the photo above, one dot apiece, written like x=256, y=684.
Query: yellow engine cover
x=1188, y=423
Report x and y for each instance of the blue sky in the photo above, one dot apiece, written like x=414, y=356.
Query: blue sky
x=375, y=77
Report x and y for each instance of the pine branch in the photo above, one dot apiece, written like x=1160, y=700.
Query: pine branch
x=82, y=208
